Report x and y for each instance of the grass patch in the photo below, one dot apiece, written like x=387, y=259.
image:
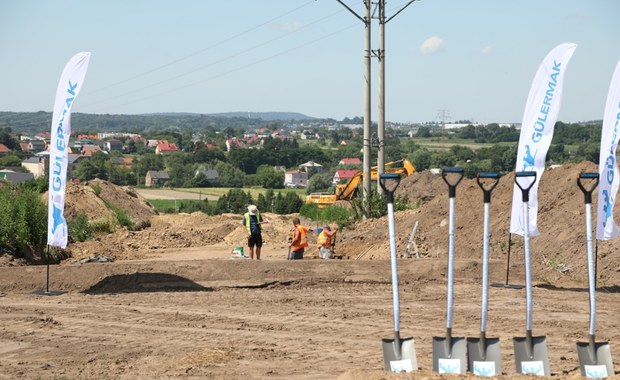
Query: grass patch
x=254, y=191
x=122, y=217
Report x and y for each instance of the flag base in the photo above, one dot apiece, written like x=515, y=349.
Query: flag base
x=49, y=292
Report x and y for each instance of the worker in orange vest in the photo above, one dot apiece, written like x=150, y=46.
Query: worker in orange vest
x=325, y=242
x=299, y=241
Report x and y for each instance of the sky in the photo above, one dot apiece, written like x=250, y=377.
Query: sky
x=444, y=59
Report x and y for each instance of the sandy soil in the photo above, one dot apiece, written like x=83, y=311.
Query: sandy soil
x=174, y=304
x=218, y=318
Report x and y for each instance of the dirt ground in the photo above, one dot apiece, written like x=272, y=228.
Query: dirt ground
x=173, y=304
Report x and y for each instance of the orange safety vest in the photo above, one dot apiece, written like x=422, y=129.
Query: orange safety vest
x=300, y=238
x=324, y=239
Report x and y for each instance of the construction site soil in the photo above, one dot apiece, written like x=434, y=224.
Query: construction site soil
x=173, y=304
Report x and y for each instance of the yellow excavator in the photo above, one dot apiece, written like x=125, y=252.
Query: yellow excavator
x=347, y=191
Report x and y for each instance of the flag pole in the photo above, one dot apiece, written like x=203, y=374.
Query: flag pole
x=47, y=291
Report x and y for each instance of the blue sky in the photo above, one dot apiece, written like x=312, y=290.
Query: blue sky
x=475, y=58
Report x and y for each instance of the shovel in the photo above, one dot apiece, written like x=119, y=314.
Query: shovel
x=484, y=355
x=398, y=353
x=530, y=351
x=450, y=353
x=594, y=357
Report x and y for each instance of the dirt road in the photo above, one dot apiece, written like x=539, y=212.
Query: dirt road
x=172, y=194
x=217, y=318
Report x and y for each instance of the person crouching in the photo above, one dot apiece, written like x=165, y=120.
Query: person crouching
x=325, y=242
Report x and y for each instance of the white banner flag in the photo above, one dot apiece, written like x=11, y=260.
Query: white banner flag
x=606, y=228
x=539, y=117
x=68, y=89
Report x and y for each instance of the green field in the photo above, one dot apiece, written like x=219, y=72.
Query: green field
x=438, y=143
x=254, y=191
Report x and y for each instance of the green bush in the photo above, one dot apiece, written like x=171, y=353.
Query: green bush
x=331, y=214
x=23, y=222
x=79, y=229
x=101, y=226
x=122, y=217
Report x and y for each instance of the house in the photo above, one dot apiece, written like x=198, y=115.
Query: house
x=72, y=161
x=210, y=174
x=4, y=149
x=307, y=135
x=234, y=143
x=350, y=161
x=344, y=175
x=35, y=165
x=249, y=134
x=90, y=149
x=15, y=177
x=36, y=146
x=295, y=179
x=24, y=146
x=156, y=178
x=164, y=147
x=311, y=165
x=113, y=145
x=254, y=142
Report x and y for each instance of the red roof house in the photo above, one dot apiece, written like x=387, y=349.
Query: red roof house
x=350, y=161
x=344, y=174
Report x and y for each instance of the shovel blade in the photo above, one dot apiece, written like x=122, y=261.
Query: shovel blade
x=484, y=358
x=399, y=356
x=450, y=357
x=595, y=362
x=531, y=358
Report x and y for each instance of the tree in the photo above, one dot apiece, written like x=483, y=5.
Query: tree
x=236, y=201
x=423, y=132
x=229, y=176
x=319, y=182
x=269, y=178
x=149, y=161
x=421, y=159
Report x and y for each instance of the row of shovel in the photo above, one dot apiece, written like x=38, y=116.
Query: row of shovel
x=481, y=355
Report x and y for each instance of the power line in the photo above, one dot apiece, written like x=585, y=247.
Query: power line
x=254, y=47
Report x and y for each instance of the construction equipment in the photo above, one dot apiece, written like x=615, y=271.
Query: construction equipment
x=484, y=355
x=450, y=353
x=346, y=192
x=398, y=353
x=594, y=357
x=531, y=355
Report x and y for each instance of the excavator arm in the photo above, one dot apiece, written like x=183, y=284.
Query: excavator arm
x=347, y=191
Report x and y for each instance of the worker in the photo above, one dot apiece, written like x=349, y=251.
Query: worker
x=326, y=242
x=252, y=221
x=299, y=241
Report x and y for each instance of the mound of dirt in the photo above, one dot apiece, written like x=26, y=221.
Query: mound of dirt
x=558, y=254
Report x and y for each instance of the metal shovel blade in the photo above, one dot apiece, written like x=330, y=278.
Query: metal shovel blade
x=531, y=357
x=485, y=357
x=595, y=359
x=399, y=355
x=449, y=355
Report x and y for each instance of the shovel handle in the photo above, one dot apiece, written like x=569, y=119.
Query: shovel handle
x=525, y=191
x=456, y=177
x=587, y=192
x=384, y=179
x=489, y=186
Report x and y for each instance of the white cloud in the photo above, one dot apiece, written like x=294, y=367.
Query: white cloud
x=432, y=45
x=486, y=50
x=292, y=26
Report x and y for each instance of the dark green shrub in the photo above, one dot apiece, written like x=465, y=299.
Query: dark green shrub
x=79, y=229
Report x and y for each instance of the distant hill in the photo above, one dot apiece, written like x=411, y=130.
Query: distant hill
x=267, y=116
